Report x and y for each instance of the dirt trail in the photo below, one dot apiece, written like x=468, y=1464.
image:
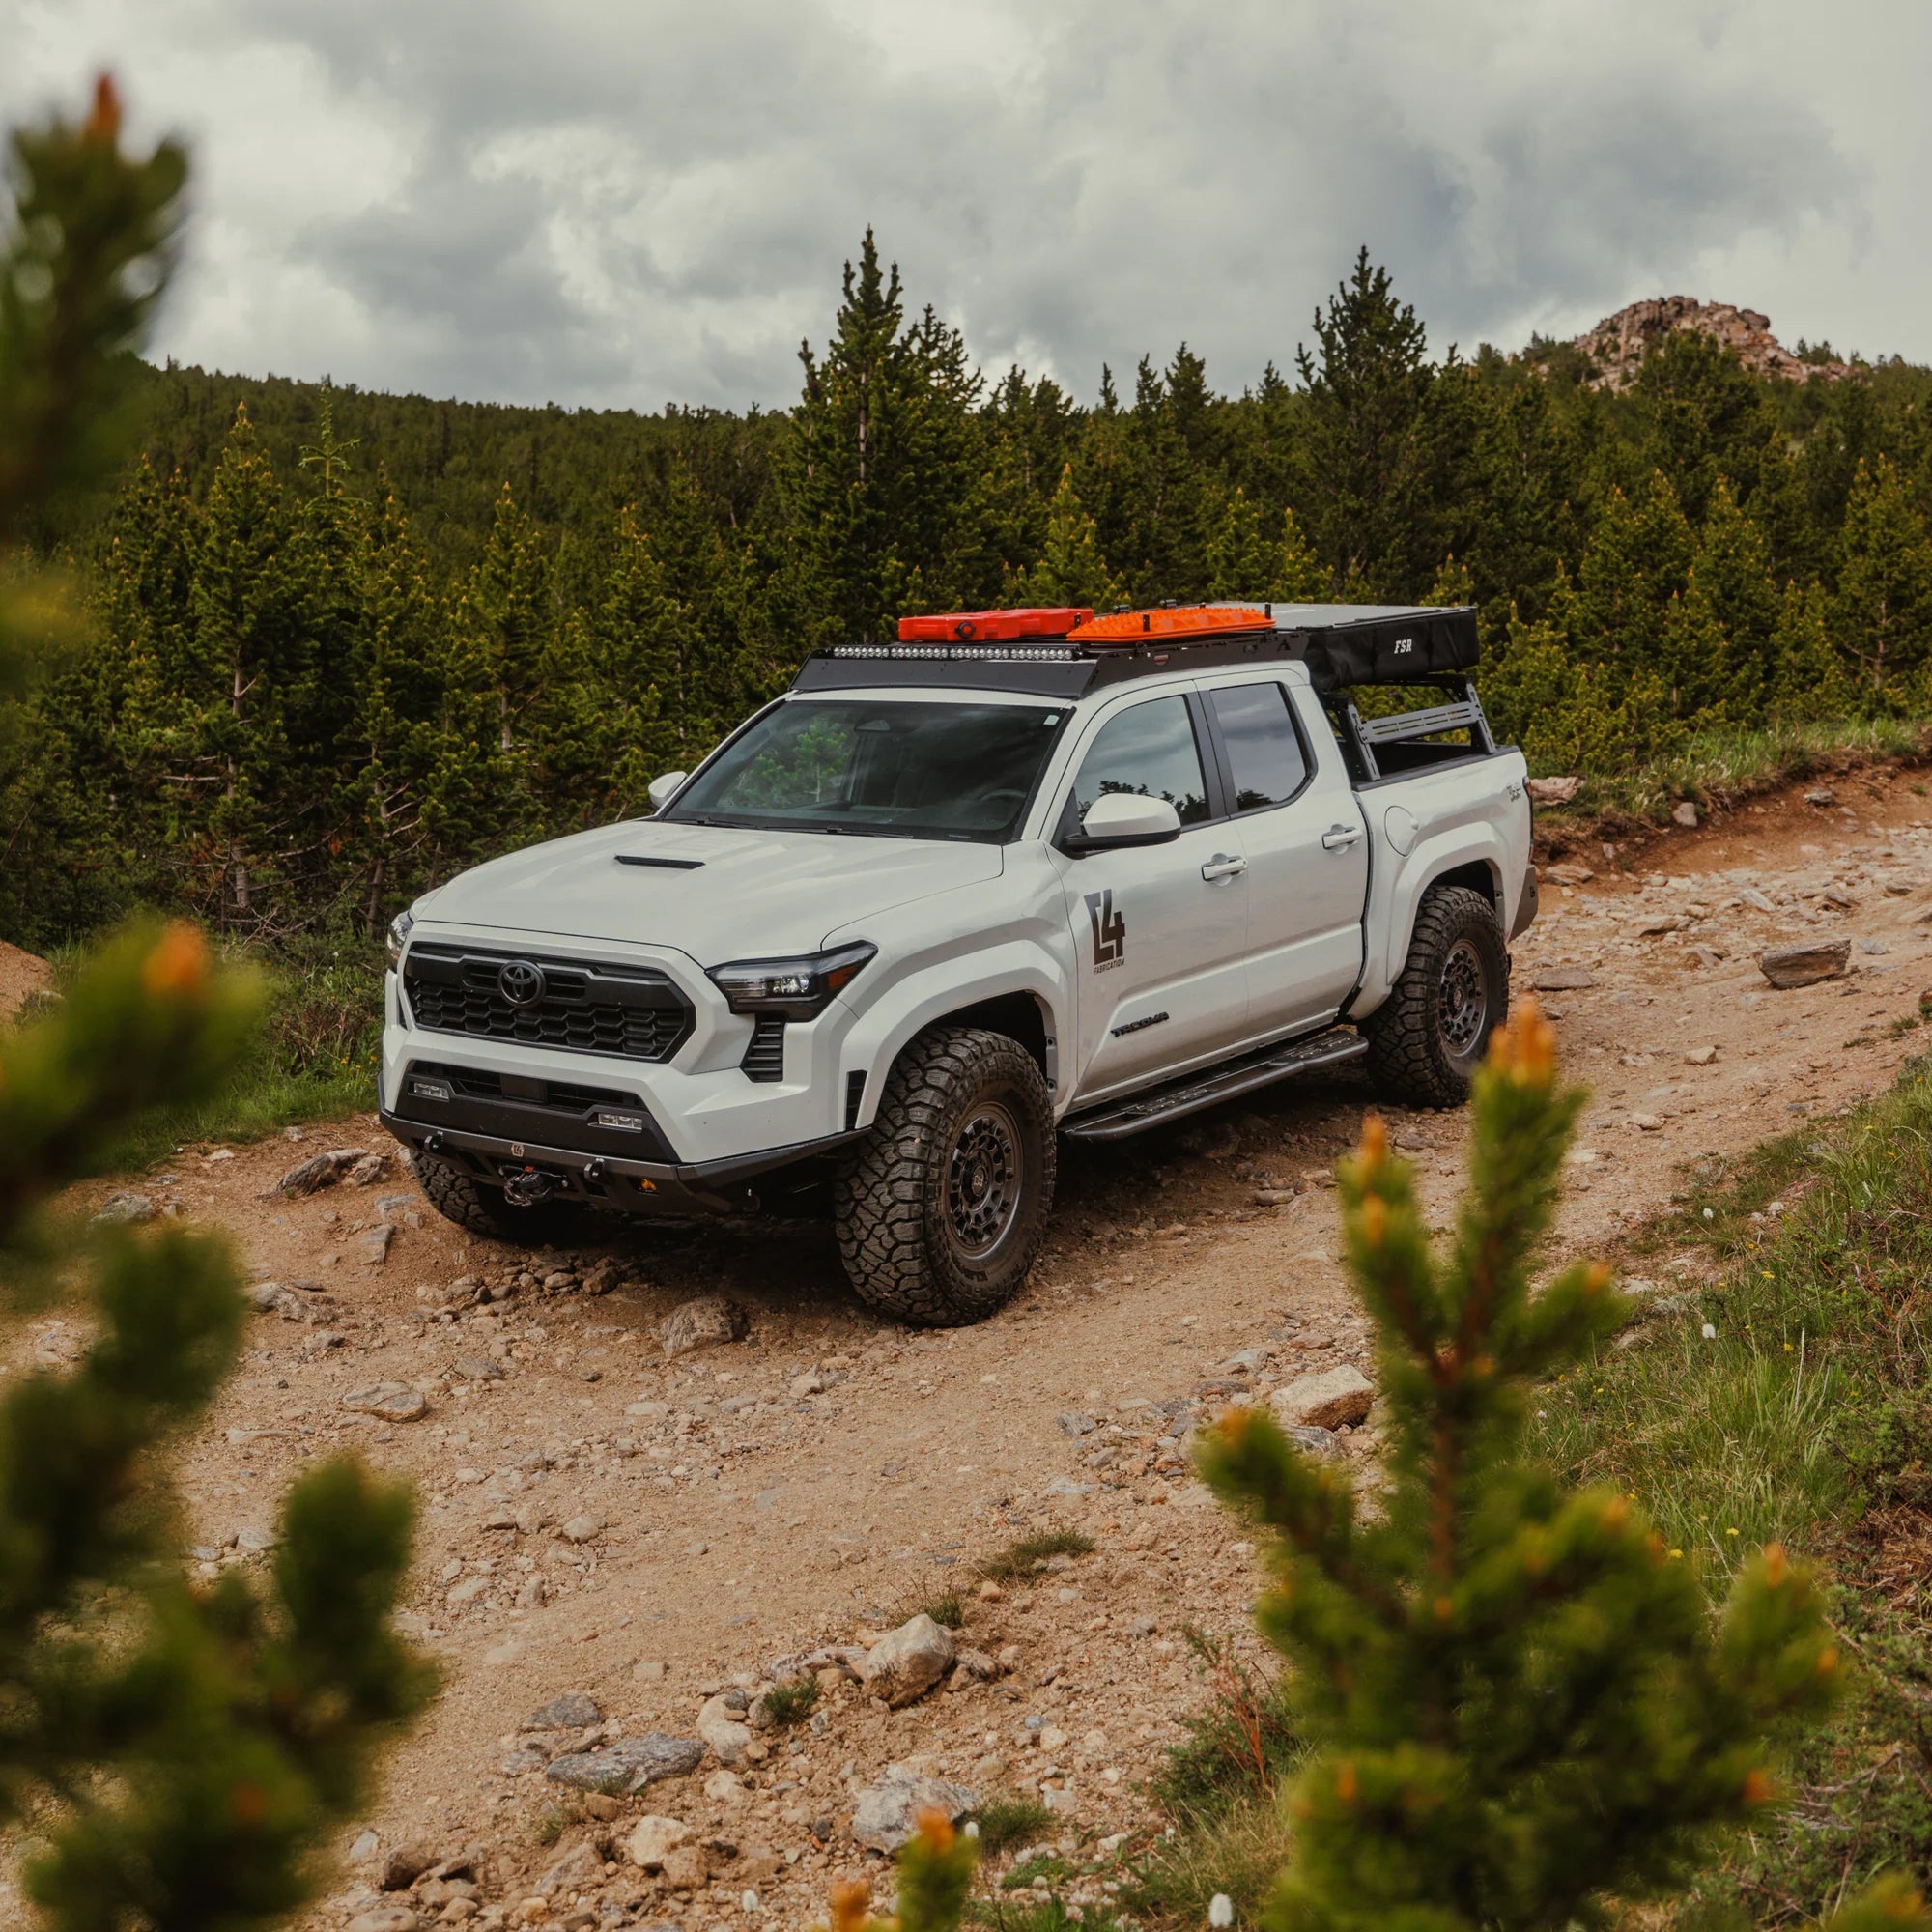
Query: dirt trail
x=832, y=1473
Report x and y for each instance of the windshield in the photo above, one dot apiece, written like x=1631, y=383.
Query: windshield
x=892, y=769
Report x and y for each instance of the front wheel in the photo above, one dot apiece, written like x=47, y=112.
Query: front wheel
x=1427, y=1039
x=941, y=1216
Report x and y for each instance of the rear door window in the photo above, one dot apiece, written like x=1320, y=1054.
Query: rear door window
x=1266, y=759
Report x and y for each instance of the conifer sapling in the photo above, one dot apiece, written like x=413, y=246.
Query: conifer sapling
x=1518, y=1698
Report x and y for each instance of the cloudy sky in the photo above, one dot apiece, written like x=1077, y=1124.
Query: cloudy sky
x=629, y=202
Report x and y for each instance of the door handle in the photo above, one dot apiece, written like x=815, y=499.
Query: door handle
x=1339, y=836
x=1222, y=867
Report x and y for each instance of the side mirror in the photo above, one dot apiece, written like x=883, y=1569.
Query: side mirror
x=1117, y=818
x=661, y=790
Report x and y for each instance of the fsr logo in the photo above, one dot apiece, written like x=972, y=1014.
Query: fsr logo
x=1110, y=932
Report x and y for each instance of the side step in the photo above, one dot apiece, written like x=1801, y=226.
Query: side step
x=1117, y=1120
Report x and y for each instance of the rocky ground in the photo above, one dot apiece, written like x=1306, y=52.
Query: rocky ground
x=630, y=1532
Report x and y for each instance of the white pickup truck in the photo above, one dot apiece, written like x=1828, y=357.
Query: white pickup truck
x=1019, y=874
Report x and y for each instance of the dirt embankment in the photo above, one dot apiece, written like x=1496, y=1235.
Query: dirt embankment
x=597, y=1518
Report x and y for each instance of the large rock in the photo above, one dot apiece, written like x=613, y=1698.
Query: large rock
x=393, y=1402
x=1786, y=966
x=386, y=1918
x=128, y=1207
x=887, y=1814
x=1326, y=1400
x=721, y=1723
x=905, y=1664
x=402, y=1865
x=579, y=1870
x=324, y=1170
x=628, y=1765
x=1562, y=980
x=654, y=1839
x=704, y=1322
x=573, y=1711
x=1555, y=791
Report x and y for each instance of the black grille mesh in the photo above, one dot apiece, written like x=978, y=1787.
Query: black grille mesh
x=625, y=1012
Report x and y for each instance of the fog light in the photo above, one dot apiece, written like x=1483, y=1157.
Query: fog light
x=429, y=1090
x=621, y=1124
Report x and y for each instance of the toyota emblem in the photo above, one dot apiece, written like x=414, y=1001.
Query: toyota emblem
x=521, y=982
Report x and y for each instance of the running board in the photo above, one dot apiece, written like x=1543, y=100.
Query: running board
x=1120, y=1118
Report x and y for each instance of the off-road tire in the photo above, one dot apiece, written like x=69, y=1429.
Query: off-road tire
x=459, y=1198
x=1425, y=1041
x=961, y=1105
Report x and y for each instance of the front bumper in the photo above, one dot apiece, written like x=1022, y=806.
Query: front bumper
x=674, y=1188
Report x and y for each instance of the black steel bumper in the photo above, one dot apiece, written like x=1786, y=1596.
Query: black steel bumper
x=678, y=1189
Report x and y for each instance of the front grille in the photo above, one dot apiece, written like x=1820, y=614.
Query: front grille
x=628, y=1012
x=765, y=1057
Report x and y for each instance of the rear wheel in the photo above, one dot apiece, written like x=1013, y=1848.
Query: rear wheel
x=461, y=1197
x=1427, y=1039
x=941, y=1216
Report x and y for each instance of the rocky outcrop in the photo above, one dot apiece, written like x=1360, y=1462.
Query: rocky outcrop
x=1619, y=343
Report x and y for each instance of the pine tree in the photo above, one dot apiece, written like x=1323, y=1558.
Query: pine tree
x=1810, y=679
x=176, y=1753
x=876, y=478
x=1881, y=614
x=1517, y=1701
x=1071, y=569
x=1638, y=559
x=1732, y=569
x=1238, y=563
x=249, y=640
x=1375, y=479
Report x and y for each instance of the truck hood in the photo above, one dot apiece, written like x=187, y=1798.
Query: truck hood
x=733, y=893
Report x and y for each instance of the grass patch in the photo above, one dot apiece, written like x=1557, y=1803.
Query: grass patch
x=1015, y=1819
x=1805, y=1419
x=1018, y=1562
x=792, y=1702
x=554, y=1820
x=1716, y=768
x=1242, y=1746
x=947, y=1611
x=316, y=1057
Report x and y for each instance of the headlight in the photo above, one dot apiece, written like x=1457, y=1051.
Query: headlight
x=794, y=989
x=399, y=931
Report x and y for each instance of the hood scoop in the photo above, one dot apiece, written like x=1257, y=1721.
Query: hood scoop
x=664, y=864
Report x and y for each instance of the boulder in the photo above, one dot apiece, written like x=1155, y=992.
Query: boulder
x=1683, y=813
x=628, y=1765
x=887, y=1814
x=905, y=1664
x=579, y=1870
x=721, y=1723
x=573, y=1711
x=705, y=1322
x=393, y=1402
x=386, y=1918
x=1326, y=1400
x=1555, y=791
x=653, y=1839
x=402, y=1865
x=1787, y=966
x=127, y=1206
x=1562, y=980
x=323, y=1170
x=1567, y=872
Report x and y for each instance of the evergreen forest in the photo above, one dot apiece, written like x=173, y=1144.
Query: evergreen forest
x=342, y=643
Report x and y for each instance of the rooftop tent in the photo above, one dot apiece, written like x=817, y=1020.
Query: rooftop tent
x=1368, y=643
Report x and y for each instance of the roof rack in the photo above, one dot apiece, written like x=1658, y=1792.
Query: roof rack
x=1065, y=652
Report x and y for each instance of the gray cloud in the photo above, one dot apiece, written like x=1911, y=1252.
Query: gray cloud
x=634, y=201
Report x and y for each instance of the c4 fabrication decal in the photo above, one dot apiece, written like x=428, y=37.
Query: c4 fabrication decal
x=1110, y=930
